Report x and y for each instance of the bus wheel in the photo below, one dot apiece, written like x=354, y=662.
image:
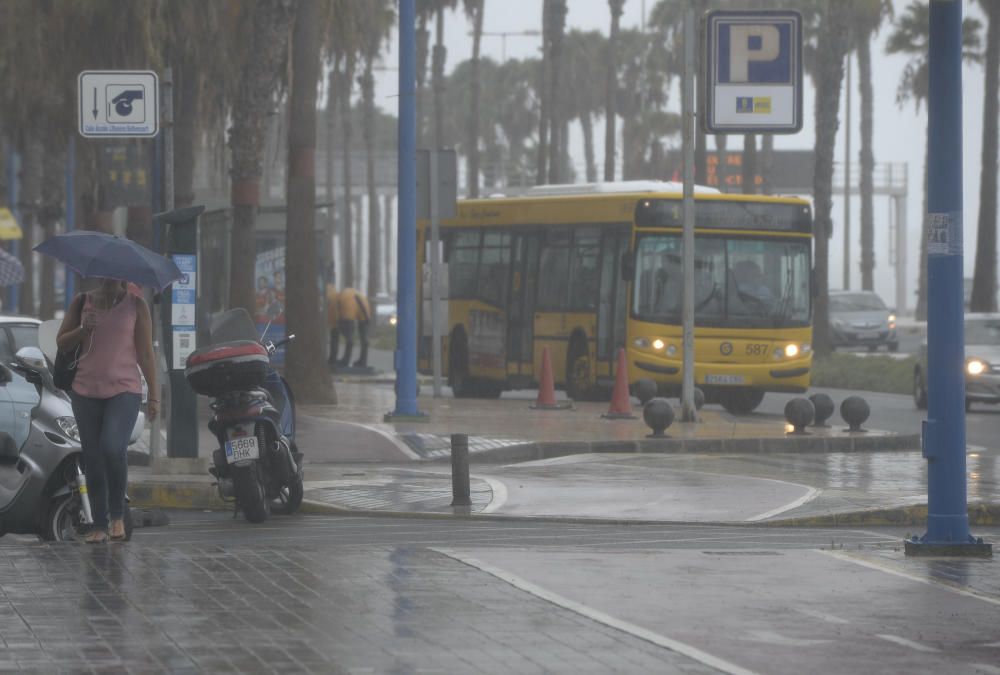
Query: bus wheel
x=578, y=386
x=741, y=401
x=458, y=367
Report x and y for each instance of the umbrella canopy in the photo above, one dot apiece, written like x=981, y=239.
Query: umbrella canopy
x=11, y=269
x=95, y=254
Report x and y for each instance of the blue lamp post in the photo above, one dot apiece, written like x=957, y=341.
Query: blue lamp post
x=944, y=431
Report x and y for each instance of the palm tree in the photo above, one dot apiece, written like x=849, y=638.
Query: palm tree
x=911, y=36
x=832, y=42
x=617, y=7
x=984, y=280
x=376, y=21
x=748, y=166
x=474, y=9
x=867, y=20
x=642, y=98
x=437, y=68
x=556, y=26
x=312, y=383
x=584, y=95
x=253, y=105
x=544, y=90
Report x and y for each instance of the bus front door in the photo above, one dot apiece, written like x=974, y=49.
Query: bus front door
x=521, y=306
x=611, y=310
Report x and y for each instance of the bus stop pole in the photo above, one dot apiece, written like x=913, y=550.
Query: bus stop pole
x=688, y=411
x=406, y=264
x=944, y=430
x=435, y=268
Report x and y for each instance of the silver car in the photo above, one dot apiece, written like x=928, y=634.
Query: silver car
x=982, y=362
x=861, y=319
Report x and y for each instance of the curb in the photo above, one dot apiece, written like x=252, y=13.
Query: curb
x=166, y=496
x=857, y=442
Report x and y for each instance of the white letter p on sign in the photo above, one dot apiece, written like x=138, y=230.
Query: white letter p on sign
x=741, y=53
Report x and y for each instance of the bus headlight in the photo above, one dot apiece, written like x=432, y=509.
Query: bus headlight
x=641, y=342
x=671, y=350
x=658, y=344
x=976, y=367
x=791, y=351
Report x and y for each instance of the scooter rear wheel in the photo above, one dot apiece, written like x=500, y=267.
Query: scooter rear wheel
x=250, y=494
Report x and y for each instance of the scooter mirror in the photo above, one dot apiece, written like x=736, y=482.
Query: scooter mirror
x=31, y=358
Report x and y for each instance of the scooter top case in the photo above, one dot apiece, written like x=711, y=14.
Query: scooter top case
x=230, y=366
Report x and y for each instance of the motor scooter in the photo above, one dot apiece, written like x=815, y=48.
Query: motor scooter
x=257, y=464
x=43, y=485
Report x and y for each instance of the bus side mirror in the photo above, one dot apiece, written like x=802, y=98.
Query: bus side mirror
x=627, y=266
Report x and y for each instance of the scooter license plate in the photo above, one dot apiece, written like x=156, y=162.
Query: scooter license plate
x=240, y=449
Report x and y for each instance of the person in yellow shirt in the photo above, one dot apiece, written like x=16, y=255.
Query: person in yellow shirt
x=354, y=308
x=332, y=322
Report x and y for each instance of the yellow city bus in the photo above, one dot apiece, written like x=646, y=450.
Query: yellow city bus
x=587, y=269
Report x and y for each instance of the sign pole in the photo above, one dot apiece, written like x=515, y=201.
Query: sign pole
x=435, y=270
x=944, y=430
x=689, y=412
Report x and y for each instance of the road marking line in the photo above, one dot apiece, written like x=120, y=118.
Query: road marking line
x=985, y=668
x=779, y=640
x=597, y=615
x=911, y=577
x=811, y=494
x=907, y=643
x=822, y=616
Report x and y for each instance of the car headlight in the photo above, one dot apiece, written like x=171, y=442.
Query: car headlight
x=976, y=367
x=68, y=426
x=392, y=320
x=892, y=321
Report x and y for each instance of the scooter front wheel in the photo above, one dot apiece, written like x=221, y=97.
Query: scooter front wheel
x=64, y=520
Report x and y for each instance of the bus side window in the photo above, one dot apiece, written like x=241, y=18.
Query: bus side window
x=463, y=264
x=553, y=290
x=585, y=275
x=495, y=268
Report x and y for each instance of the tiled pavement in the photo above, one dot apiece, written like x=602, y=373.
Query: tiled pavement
x=69, y=608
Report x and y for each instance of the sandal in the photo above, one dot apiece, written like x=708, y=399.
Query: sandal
x=116, y=534
x=96, y=537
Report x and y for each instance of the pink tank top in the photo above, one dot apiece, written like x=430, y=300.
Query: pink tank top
x=108, y=365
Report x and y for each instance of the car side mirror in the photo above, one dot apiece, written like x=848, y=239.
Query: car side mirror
x=8, y=448
x=627, y=266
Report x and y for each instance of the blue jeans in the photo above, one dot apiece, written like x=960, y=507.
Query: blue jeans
x=105, y=426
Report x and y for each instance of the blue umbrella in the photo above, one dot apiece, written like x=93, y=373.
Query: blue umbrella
x=95, y=254
x=11, y=269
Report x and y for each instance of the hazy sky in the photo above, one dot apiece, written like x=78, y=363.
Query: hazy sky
x=900, y=133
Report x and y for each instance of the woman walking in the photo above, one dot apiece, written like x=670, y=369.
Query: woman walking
x=113, y=328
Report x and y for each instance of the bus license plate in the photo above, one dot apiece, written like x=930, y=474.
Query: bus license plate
x=723, y=379
x=240, y=449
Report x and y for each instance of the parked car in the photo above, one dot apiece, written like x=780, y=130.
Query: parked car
x=982, y=362
x=861, y=319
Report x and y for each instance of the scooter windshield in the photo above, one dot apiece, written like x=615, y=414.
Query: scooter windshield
x=232, y=325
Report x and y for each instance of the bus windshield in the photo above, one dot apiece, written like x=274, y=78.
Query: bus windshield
x=739, y=282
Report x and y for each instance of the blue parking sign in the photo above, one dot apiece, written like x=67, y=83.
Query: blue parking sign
x=753, y=72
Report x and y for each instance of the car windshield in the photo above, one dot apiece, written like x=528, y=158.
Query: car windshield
x=739, y=282
x=982, y=331
x=856, y=302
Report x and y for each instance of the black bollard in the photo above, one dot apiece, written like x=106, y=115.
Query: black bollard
x=460, y=491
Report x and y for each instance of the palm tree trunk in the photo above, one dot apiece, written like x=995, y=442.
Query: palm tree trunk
x=722, y=150
x=557, y=28
x=766, y=162
x=984, y=283
x=748, y=167
x=368, y=97
x=251, y=111
x=611, y=90
x=473, y=156
x=30, y=198
x=389, y=243
x=832, y=46
x=331, y=137
x=544, y=98
x=867, y=158
x=701, y=158
x=302, y=298
x=347, y=241
x=52, y=200
x=587, y=123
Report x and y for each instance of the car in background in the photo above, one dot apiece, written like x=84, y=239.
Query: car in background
x=982, y=362
x=861, y=319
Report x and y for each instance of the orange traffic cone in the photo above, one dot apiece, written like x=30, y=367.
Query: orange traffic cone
x=546, y=388
x=621, y=406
